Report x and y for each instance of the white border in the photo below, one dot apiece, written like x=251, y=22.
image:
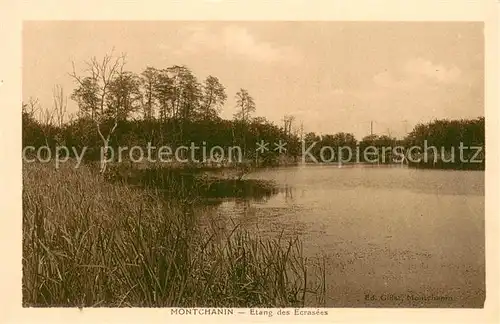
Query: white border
x=12, y=13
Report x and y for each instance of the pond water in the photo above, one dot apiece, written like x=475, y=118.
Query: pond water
x=391, y=236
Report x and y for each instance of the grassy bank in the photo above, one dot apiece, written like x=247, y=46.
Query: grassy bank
x=191, y=181
x=89, y=242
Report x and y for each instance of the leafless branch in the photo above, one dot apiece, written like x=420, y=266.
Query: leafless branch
x=102, y=74
x=74, y=75
x=32, y=107
x=60, y=104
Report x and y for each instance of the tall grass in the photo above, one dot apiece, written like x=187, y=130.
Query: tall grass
x=88, y=242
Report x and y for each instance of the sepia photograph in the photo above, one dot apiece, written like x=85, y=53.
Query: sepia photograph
x=253, y=164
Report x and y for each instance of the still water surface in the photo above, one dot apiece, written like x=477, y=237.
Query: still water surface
x=392, y=236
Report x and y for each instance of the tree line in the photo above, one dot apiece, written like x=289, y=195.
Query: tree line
x=443, y=134
x=160, y=106
x=171, y=106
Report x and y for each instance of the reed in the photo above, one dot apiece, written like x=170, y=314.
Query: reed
x=89, y=242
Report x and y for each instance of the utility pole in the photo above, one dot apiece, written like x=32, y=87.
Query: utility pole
x=301, y=131
x=406, y=126
x=371, y=127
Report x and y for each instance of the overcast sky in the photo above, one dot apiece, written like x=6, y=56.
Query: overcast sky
x=332, y=76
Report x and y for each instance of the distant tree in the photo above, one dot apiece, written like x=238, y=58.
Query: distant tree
x=245, y=106
x=191, y=97
x=124, y=96
x=92, y=94
x=213, y=98
x=311, y=137
x=34, y=128
x=287, y=127
x=185, y=93
x=86, y=96
x=446, y=135
x=148, y=81
x=260, y=121
x=30, y=109
x=164, y=94
x=60, y=105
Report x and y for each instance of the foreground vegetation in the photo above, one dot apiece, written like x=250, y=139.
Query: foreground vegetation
x=88, y=242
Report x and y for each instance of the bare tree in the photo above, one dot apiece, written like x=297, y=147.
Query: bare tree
x=46, y=118
x=93, y=92
x=60, y=105
x=30, y=109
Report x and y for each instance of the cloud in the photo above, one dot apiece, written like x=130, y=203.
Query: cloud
x=418, y=72
x=236, y=41
x=433, y=71
x=387, y=80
